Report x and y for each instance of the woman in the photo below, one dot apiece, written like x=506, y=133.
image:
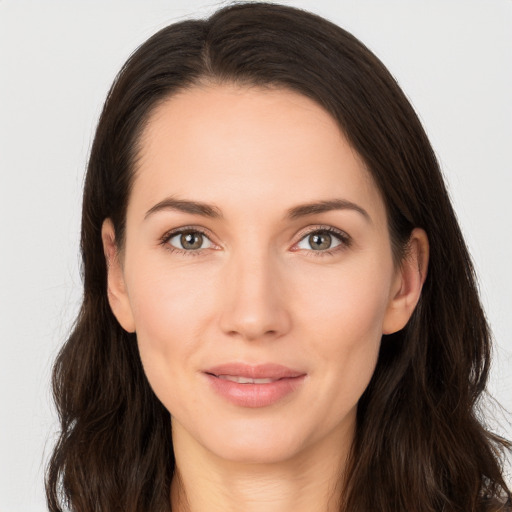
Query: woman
x=279, y=310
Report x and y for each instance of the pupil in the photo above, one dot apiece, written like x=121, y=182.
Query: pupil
x=191, y=240
x=320, y=241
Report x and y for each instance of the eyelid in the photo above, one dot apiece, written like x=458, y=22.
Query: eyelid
x=321, y=227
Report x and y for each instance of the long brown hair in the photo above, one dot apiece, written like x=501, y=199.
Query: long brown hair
x=420, y=444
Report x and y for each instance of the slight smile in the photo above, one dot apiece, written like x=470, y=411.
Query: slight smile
x=254, y=386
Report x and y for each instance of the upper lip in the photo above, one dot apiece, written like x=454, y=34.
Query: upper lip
x=259, y=371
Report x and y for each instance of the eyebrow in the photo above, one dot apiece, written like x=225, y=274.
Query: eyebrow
x=212, y=211
x=315, y=208
x=186, y=206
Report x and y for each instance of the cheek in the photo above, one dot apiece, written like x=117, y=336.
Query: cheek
x=349, y=304
x=166, y=301
x=344, y=320
x=167, y=308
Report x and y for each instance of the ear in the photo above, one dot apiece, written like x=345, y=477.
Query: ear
x=408, y=283
x=116, y=288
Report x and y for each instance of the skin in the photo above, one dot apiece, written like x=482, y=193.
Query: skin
x=257, y=292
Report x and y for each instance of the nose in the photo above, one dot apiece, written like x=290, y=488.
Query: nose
x=254, y=305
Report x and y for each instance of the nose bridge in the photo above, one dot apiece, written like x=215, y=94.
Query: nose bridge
x=253, y=304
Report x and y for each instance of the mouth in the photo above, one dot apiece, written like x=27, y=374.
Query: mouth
x=245, y=380
x=254, y=386
x=268, y=372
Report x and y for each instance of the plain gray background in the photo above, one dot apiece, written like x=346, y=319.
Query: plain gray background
x=57, y=61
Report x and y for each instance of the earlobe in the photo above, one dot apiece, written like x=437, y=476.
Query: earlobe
x=116, y=287
x=408, y=283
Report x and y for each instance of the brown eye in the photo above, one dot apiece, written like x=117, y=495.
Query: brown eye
x=322, y=240
x=189, y=241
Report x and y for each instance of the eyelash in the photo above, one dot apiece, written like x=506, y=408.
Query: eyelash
x=345, y=240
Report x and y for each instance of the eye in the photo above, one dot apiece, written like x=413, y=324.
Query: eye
x=324, y=240
x=189, y=240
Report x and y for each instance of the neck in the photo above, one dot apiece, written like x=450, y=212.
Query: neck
x=307, y=482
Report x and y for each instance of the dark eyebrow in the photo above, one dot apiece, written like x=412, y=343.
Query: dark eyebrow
x=325, y=206
x=182, y=205
x=212, y=211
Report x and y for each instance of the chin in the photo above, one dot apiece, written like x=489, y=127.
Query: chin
x=261, y=452
x=255, y=441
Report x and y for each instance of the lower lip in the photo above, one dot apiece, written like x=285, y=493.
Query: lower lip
x=255, y=395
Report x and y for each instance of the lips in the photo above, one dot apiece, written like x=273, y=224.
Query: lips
x=254, y=385
x=260, y=371
x=245, y=380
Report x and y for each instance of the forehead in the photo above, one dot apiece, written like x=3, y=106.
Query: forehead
x=261, y=144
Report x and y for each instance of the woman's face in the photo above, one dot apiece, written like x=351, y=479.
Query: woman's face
x=256, y=248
